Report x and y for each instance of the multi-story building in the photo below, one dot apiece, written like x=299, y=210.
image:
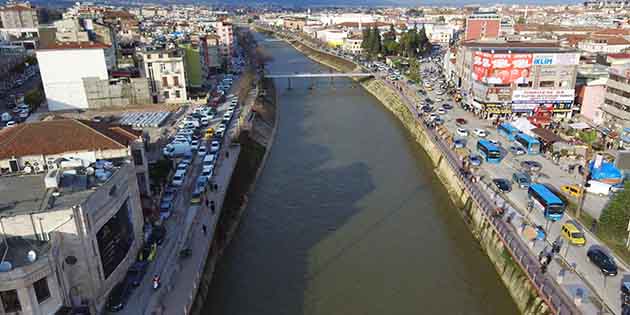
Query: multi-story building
x=439, y=34
x=616, y=106
x=483, y=25
x=226, y=38
x=590, y=89
x=352, y=44
x=72, y=219
x=511, y=78
x=332, y=37
x=294, y=23
x=75, y=76
x=19, y=16
x=604, y=44
x=166, y=74
x=209, y=56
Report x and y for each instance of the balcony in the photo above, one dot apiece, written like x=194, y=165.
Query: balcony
x=618, y=86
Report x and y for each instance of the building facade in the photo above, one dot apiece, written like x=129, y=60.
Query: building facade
x=482, y=25
x=209, y=57
x=166, y=74
x=18, y=16
x=352, y=44
x=616, y=106
x=501, y=79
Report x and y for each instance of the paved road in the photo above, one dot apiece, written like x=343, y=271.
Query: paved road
x=145, y=299
x=606, y=287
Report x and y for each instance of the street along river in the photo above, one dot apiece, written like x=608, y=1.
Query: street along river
x=348, y=217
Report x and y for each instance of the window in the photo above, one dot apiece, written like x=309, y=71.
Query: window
x=148, y=56
x=177, y=94
x=10, y=301
x=41, y=290
x=547, y=84
x=137, y=156
x=164, y=81
x=166, y=95
x=176, y=81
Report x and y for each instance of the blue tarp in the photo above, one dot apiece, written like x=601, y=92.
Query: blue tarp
x=606, y=171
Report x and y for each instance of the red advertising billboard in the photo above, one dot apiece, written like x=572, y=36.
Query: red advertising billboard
x=501, y=68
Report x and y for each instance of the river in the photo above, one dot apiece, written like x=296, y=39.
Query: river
x=348, y=217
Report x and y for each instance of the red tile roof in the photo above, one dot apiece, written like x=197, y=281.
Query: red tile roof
x=17, y=7
x=64, y=135
x=619, y=56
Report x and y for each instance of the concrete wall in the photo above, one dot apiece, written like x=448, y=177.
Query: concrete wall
x=101, y=94
x=514, y=278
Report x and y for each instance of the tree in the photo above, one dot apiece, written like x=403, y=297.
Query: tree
x=390, y=46
x=441, y=19
x=375, y=42
x=366, y=43
x=613, y=221
x=414, y=70
x=521, y=20
x=423, y=41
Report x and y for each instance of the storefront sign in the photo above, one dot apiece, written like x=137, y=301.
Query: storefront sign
x=543, y=96
x=556, y=59
x=524, y=107
x=501, y=68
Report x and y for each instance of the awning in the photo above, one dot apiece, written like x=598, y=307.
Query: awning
x=580, y=126
x=546, y=135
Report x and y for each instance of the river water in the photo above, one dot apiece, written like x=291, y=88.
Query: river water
x=348, y=217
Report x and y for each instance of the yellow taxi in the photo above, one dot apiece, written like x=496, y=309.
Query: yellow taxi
x=572, y=190
x=573, y=232
x=209, y=133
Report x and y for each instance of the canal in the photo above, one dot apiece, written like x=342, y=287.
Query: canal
x=348, y=217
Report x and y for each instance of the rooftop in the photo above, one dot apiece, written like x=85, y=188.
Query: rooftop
x=19, y=247
x=63, y=135
x=74, y=45
x=517, y=46
x=22, y=194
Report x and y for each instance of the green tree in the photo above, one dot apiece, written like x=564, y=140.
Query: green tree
x=390, y=46
x=615, y=217
x=366, y=44
x=441, y=19
x=588, y=137
x=414, y=70
x=423, y=41
x=521, y=20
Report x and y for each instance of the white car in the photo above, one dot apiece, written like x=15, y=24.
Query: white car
x=230, y=112
x=202, y=151
x=441, y=111
x=207, y=172
x=433, y=116
x=480, y=133
x=462, y=132
x=185, y=132
x=178, y=178
x=11, y=124
x=221, y=128
x=227, y=115
x=194, y=145
x=215, y=146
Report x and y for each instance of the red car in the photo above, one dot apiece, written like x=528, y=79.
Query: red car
x=461, y=121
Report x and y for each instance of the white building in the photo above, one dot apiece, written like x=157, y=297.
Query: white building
x=63, y=66
x=352, y=44
x=226, y=37
x=166, y=74
x=604, y=44
x=332, y=19
x=441, y=34
x=332, y=37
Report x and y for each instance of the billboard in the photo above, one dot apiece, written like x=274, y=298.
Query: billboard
x=501, y=68
x=543, y=95
x=556, y=59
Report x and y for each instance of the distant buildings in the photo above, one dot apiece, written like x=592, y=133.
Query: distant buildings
x=164, y=69
x=482, y=25
x=352, y=44
x=616, y=106
x=226, y=37
x=18, y=16
x=332, y=37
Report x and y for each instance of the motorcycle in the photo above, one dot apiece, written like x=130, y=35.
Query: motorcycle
x=156, y=282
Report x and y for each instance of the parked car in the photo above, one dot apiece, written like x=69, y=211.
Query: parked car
x=447, y=106
x=573, y=232
x=531, y=166
x=572, y=190
x=117, y=298
x=460, y=121
x=517, y=150
x=598, y=188
x=480, y=133
x=602, y=260
x=523, y=180
x=462, y=132
x=475, y=160
x=441, y=111
x=459, y=143
x=136, y=272
x=178, y=178
x=215, y=146
x=502, y=184
x=202, y=151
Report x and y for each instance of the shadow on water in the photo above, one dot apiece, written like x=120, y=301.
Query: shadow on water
x=348, y=218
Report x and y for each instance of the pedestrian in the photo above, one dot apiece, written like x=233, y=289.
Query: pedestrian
x=227, y=154
x=204, y=228
x=594, y=226
x=216, y=187
x=212, y=206
x=206, y=202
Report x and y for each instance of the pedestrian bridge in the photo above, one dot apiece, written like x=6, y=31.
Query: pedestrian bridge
x=319, y=75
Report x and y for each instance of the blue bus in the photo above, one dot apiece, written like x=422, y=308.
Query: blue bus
x=508, y=131
x=531, y=145
x=546, y=200
x=489, y=151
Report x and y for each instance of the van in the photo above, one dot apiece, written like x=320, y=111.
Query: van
x=573, y=233
x=599, y=188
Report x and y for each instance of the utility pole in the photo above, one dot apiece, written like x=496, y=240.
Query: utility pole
x=587, y=158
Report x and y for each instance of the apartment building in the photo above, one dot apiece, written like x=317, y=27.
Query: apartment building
x=71, y=214
x=209, y=56
x=352, y=44
x=482, y=25
x=616, y=106
x=165, y=71
x=226, y=37
x=501, y=79
x=18, y=16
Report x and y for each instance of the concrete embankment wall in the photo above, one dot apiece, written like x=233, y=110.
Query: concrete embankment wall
x=514, y=278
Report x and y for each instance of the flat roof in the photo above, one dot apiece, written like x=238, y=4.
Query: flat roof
x=23, y=194
x=518, y=46
x=18, y=248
